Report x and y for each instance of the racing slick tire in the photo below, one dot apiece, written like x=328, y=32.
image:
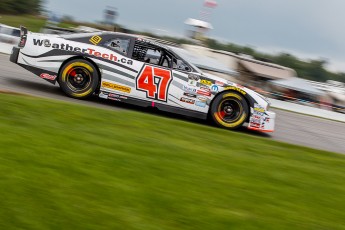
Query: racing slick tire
x=78, y=78
x=229, y=110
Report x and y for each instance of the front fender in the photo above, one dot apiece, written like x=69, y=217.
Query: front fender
x=260, y=118
x=237, y=89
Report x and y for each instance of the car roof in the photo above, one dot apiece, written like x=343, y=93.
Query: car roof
x=145, y=39
x=141, y=38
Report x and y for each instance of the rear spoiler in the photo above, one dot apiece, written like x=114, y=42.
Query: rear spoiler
x=23, y=36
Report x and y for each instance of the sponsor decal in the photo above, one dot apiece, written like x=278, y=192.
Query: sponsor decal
x=114, y=95
x=116, y=87
x=189, y=89
x=200, y=85
x=95, y=39
x=206, y=88
x=203, y=92
x=214, y=89
x=189, y=95
x=200, y=104
x=114, y=99
x=261, y=110
x=253, y=124
x=202, y=99
x=48, y=76
x=187, y=100
x=88, y=51
x=236, y=89
x=219, y=83
x=256, y=121
x=206, y=82
x=258, y=110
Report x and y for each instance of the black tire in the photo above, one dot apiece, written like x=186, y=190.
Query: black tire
x=229, y=110
x=78, y=78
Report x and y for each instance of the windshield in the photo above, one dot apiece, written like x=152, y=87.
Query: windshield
x=204, y=62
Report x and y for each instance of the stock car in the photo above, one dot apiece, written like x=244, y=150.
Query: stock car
x=138, y=70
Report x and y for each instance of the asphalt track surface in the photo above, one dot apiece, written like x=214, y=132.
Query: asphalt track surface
x=291, y=127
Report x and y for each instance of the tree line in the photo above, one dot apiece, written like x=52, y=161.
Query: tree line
x=308, y=69
x=314, y=70
x=20, y=6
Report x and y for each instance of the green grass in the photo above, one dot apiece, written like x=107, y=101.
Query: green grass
x=65, y=166
x=31, y=22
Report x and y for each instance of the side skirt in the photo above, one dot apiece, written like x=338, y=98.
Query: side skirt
x=143, y=103
x=49, y=76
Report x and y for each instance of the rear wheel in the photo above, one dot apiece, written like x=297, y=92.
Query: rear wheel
x=79, y=78
x=229, y=110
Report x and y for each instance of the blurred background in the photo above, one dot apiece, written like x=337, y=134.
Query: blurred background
x=108, y=166
x=213, y=33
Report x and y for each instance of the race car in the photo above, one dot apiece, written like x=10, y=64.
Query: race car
x=138, y=70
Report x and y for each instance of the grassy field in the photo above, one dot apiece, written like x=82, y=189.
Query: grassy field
x=65, y=166
x=31, y=22
x=35, y=23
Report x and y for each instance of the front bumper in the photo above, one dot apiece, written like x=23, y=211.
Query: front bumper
x=14, y=54
x=263, y=122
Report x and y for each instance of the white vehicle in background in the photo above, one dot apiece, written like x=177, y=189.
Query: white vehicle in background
x=9, y=37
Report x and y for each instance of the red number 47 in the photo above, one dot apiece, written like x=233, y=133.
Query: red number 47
x=155, y=82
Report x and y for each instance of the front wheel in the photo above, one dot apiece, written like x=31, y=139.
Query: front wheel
x=78, y=78
x=229, y=110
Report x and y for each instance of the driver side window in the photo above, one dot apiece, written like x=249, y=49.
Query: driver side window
x=152, y=54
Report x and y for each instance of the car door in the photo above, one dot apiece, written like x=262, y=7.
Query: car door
x=187, y=89
x=155, y=76
x=164, y=79
x=119, y=70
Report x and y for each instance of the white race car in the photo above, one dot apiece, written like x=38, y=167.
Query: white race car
x=137, y=70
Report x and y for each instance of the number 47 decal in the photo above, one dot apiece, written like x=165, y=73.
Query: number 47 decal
x=155, y=82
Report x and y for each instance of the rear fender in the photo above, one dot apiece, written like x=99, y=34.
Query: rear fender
x=89, y=60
